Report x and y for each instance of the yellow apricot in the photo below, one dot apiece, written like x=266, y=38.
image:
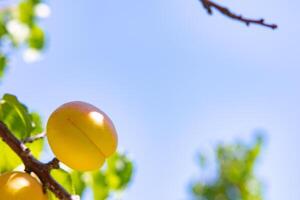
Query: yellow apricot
x=20, y=186
x=81, y=135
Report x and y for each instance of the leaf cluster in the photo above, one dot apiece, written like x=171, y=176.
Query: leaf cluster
x=19, y=29
x=113, y=179
x=236, y=179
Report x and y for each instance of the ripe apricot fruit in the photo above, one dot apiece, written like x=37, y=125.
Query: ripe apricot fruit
x=20, y=186
x=81, y=136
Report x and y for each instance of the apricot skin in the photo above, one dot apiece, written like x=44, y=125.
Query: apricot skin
x=81, y=135
x=20, y=186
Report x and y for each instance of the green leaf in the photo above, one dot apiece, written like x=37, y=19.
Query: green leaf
x=71, y=181
x=36, y=38
x=36, y=123
x=78, y=183
x=9, y=160
x=3, y=30
x=115, y=177
x=64, y=178
x=51, y=196
x=3, y=63
x=17, y=117
x=99, y=186
x=36, y=147
x=34, y=1
x=119, y=171
x=26, y=12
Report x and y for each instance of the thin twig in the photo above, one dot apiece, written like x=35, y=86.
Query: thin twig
x=42, y=170
x=208, y=5
x=34, y=138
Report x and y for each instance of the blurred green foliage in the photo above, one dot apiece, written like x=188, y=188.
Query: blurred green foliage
x=19, y=29
x=113, y=178
x=235, y=178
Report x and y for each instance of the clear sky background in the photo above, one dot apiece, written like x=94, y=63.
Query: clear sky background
x=175, y=81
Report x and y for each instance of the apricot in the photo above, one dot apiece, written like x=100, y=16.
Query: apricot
x=81, y=136
x=20, y=186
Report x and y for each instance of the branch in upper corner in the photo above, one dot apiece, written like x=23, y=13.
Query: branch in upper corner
x=208, y=5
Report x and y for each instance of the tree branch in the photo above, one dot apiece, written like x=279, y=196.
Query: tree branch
x=42, y=170
x=208, y=5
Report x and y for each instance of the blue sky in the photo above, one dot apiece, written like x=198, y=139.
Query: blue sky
x=175, y=81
